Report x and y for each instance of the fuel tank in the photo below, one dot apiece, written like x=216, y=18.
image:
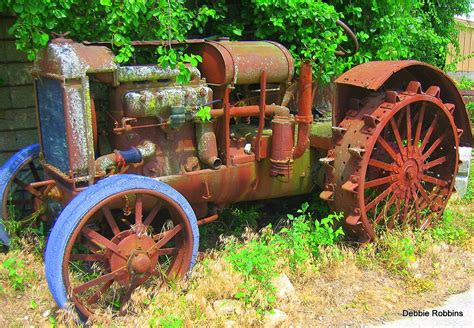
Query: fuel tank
x=242, y=62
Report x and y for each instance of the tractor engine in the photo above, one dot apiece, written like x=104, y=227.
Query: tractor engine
x=142, y=121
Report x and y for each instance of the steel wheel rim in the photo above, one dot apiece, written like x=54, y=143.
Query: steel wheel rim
x=32, y=173
x=433, y=102
x=181, y=259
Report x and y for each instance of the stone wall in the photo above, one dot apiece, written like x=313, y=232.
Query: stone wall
x=17, y=112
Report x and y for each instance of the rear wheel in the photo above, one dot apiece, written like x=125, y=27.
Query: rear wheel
x=19, y=201
x=115, y=236
x=394, y=161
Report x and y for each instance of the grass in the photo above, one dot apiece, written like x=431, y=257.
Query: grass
x=336, y=283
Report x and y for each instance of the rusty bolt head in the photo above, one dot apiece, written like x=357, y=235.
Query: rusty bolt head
x=141, y=263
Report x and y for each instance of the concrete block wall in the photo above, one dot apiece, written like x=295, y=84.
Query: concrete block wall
x=17, y=112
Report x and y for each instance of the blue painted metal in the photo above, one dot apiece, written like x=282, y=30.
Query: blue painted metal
x=52, y=122
x=8, y=171
x=131, y=156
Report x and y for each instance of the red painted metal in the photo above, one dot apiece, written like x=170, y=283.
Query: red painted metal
x=304, y=116
x=386, y=168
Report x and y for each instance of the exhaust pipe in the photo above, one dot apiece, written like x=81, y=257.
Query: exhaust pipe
x=304, y=118
x=207, y=145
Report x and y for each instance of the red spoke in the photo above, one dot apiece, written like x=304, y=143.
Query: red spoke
x=408, y=126
x=152, y=214
x=95, y=297
x=384, y=211
x=379, y=198
x=434, y=163
x=391, y=223
x=417, y=210
x=164, y=237
x=424, y=193
x=110, y=220
x=128, y=294
x=34, y=171
x=167, y=251
x=397, y=137
x=387, y=148
x=94, y=282
x=401, y=115
x=28, y=188
x=405, y=206
x=380, y=165
x=87, y=257
x=429, y=132
x=378, y=182
x=434, y=146
x=435, y=181
x=101, y=241
x=138, y=209
x=419, y=125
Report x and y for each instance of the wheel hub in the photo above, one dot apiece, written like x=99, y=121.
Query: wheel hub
x=409, y=173
x=133, y=254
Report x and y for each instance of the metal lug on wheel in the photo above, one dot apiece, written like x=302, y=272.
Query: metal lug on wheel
x=371, y=121
x=392, y=97
x=328, y=193
x=433, y=91
x=413, y=87
x=450, y=107
x=353, y=218
x=357, y=152
x=338, y=131
x=327, y=161
x=352, y=184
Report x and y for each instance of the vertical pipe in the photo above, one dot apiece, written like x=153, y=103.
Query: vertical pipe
x=304, y=116
x=226, y=127
x=261, y=114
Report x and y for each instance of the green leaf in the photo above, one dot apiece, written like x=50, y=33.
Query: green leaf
x=106, y=3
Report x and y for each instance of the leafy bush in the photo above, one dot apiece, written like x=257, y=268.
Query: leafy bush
x=256, y=261
x=419, y=29
x=300, y=241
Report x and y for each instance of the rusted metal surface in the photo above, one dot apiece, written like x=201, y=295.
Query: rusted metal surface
x=393, y=161
x=369, y=77
x=159, y=100
x=154, y=244
x=242, y=62
x=387, y=156
x=207, y=145
x=304, y=118
x=282, y=144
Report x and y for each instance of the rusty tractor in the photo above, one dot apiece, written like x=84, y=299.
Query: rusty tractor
x=128, y=171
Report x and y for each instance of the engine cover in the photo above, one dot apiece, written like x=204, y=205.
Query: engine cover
x=157, y=102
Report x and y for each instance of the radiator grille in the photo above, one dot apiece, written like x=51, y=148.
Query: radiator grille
x=50, y=97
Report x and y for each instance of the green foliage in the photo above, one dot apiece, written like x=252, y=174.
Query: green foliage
x=396, y=252
x=18, y=276
x=204, y=114
x=419, y=29
x=294, y=245
x=301, y=241
x=446, y=230
x=256, y=261
x=465, y=83
x=171, y=321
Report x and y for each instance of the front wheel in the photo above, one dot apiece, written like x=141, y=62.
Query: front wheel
x=116, y=235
